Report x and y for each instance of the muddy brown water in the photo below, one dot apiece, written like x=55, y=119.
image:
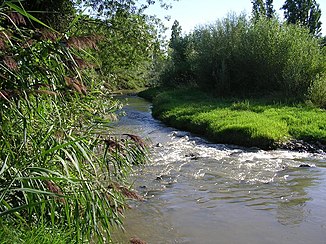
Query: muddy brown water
x=199, y=192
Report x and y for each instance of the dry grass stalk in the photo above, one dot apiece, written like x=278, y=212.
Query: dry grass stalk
x=126, y=192
x=2, y=44
x=136, y=240
x=46, y=92
x=83, y=42
x=38, y=85
x=81, y=63
x=4, y=95
x=3, y=39
x=8, y=94
x=113, y=144
x=10, y=63
x=130, y=194
x=17, y=18
x=28, y=44
x=48, y=35
x=54, y=189
x=76, y=85
x=137, y=140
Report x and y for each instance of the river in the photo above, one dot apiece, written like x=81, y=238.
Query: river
x=199, y=192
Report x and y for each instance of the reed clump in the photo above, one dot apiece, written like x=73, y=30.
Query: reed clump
x=56, y=169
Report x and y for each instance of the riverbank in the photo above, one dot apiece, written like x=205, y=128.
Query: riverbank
x=262, y=123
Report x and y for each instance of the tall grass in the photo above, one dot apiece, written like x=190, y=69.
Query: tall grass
x=59, y=164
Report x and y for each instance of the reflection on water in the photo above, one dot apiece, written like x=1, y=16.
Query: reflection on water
x=197, y=192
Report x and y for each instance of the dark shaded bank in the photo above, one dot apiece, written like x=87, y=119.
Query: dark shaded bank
x=261, y=123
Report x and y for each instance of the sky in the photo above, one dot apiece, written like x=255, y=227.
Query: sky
x=191, y=13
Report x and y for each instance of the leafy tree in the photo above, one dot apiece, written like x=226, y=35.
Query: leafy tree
x=261, y=8
x=269, y=9
x=258, y=8
x=305, y=13
x=179, y=68
x=110, y=7
x=236, y=57
x=323, y=41
x=175, y=42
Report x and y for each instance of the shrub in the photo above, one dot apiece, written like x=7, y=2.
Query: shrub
x=317, y=92
x=237, y=57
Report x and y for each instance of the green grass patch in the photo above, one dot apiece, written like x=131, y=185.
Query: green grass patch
x=251, y=122
x=10, y=234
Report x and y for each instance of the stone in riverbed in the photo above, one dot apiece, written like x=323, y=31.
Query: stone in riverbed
x=158, y=145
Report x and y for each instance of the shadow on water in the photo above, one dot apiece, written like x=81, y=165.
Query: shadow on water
x=198, y=192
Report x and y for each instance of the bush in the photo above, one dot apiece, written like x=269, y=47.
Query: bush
x=237, y=57
x=317, y=92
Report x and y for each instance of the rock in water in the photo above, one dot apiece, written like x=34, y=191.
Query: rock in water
x=158, y=145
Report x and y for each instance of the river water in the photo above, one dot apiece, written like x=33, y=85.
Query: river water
x=198, y=192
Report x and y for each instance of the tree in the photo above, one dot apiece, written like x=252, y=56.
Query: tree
x=110, y=7
x=269, y=9
x=261, y=8
x=323, y=41
x=305, y=13
x=258, y=8
x=179, y=70
x=176, y=34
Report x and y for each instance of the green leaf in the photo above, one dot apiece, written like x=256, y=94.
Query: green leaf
x=61, y=146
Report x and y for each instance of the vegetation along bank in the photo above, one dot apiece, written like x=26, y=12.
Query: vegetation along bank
x=63, y=171
x=250, y=81
x=247, y=122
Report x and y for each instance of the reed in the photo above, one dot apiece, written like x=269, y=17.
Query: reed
x=56, y=167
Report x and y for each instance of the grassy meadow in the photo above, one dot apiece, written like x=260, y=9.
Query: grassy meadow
x=262, y=123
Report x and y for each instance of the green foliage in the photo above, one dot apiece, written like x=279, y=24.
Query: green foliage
x=237, y=57
x=60, y=167
x=250, y=122
x=128, y=45
x=323, y=41
x=177, y=67
x=317, y=92
x=262, y=9
x=109, y=8
x=304, y=13
x=41, y=235
x=131, y=41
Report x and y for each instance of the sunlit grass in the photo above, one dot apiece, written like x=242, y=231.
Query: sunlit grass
x=249, y=122
x=10, y=234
